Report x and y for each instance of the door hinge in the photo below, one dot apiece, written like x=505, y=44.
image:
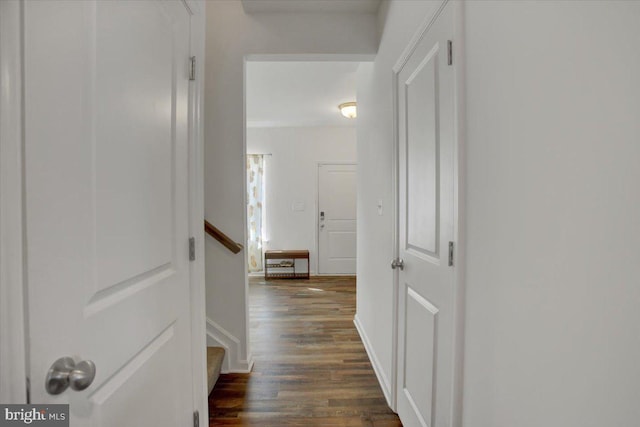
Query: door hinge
x=449, y=52
x=192, y=248
x=196, y=419
x=450, y=254
x=28, y=391
x=192, y=68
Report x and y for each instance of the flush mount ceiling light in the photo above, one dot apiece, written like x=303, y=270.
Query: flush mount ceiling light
x=348, y=109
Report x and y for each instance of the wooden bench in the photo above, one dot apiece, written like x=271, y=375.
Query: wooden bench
x=286, y=264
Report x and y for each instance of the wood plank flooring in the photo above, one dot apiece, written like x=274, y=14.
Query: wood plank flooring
x=310, y=367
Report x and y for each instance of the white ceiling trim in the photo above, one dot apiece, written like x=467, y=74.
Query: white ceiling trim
x=311, y=6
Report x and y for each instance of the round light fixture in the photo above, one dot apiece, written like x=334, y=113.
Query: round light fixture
x=348, y=109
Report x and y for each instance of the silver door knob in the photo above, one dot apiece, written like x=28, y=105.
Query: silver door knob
x=397, y=263
x=66, y=373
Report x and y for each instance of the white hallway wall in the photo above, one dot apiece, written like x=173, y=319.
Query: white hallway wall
x=292, y=177
x=375, y=181
x=232, y=35
x=553, y=208
x=553, y=289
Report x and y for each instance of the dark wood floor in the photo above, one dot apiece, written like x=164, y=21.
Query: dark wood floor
x=310, y=367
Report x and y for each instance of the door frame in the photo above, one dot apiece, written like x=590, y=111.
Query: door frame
x=14, y=305
x=275, y=57
x=458, y=203
x=13, y=367
x=196, y=210
x=317, y=219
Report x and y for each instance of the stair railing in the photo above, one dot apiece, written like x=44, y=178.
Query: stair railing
x=226, y=241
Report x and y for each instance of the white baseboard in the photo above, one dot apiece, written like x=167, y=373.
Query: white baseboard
x=218, y=336
x=335, y=274
x=377, y=367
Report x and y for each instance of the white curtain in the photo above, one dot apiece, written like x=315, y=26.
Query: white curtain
x=255, y=202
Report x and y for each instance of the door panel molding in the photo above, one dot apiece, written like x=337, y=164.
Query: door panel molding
x=110, y=385
x=421, y=344
x=105, y=298
x=426, y=74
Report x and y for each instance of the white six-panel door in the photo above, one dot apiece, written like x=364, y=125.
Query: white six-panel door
x=337, y=197
x=106, y=145
x=425, y=95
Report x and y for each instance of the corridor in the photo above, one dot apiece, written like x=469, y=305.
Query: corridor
x=310, y=366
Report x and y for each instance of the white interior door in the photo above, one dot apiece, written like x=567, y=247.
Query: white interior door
x=106, y=145
x=337, y=198
x=426, y=225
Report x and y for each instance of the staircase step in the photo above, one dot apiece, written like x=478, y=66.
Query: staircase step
x=215, y=355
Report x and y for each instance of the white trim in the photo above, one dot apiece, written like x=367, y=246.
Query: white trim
x=458, y=208
x=311, y=274
x=312, y=57
x=459, y=211
x=395, y=239
x=335, y=275
x=385, y=384
x=196, y=211
x=423, y=29
x=219, y=336
x=257, y=274
x=245, y=227
x=196, y=7
x=13, y=350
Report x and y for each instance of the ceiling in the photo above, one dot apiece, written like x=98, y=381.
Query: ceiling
x=322, y=6
x=297, y=94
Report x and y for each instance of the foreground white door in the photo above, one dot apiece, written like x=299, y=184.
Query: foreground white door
x=106, y=140
x=426, y=221
x=337, y=199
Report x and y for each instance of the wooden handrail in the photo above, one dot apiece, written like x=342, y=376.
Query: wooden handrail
x=226, y=241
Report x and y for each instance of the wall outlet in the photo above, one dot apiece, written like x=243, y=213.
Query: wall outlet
x=298, y=206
